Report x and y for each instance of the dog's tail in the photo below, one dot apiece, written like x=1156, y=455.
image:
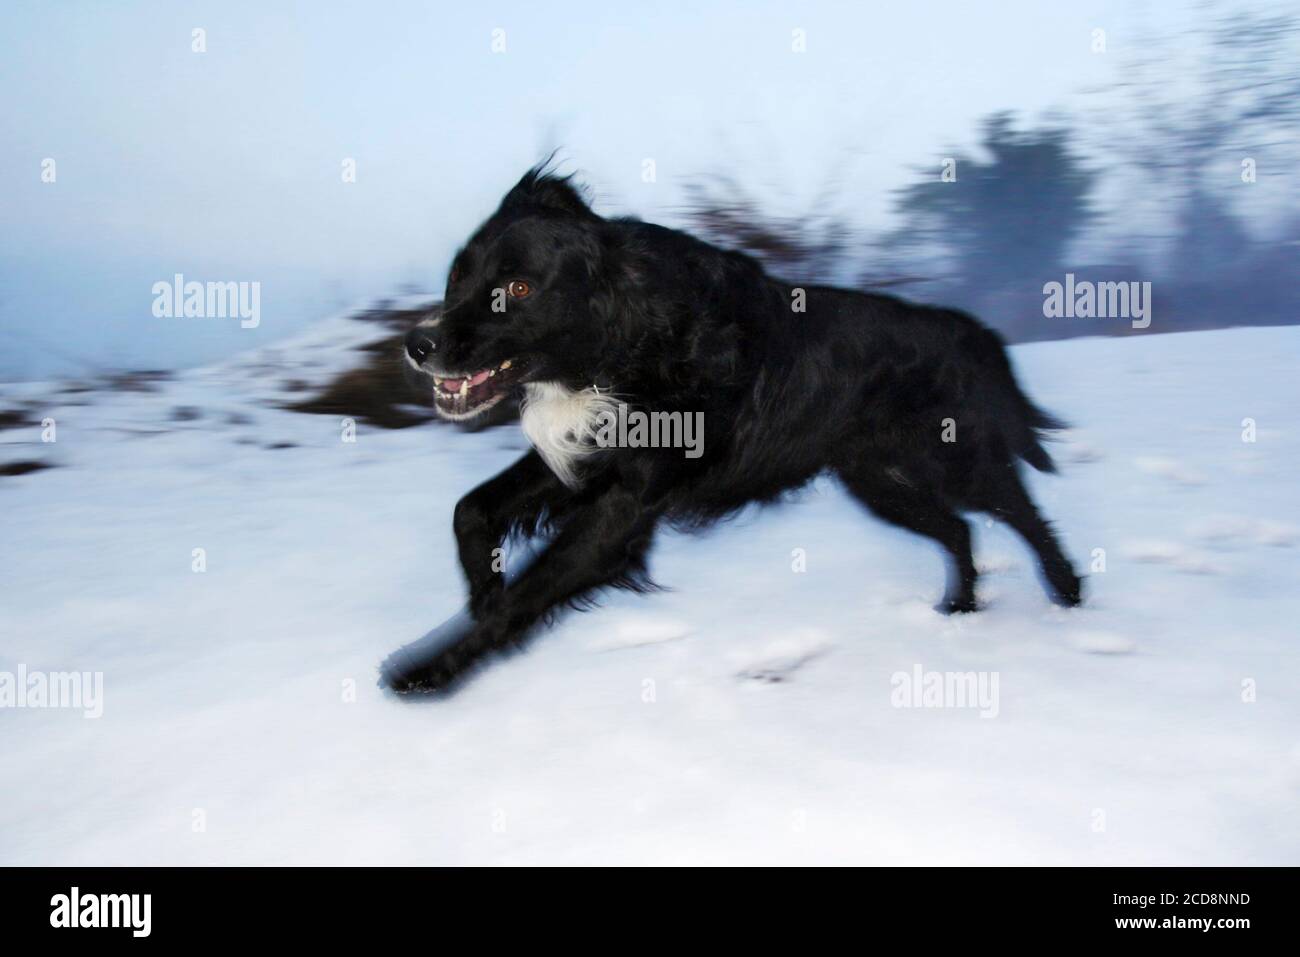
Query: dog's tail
x=1031, y=439
x=1023, y=424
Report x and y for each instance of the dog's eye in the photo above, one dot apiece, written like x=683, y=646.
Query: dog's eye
x=455, y=274
x=518, y=289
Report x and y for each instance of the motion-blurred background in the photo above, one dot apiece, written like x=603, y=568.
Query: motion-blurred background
x=1109, y=139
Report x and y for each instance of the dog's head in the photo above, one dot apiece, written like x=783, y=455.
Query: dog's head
x=519, y=302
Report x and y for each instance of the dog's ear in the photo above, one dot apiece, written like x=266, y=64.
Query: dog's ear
x=542, y=189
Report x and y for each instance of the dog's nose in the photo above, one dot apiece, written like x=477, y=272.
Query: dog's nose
x=420, y=345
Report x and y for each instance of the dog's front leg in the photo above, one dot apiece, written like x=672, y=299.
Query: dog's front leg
x=602, y=543
x=483, y=518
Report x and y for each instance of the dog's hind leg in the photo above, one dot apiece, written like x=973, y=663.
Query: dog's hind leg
x=1010, y=502
x=908, y=507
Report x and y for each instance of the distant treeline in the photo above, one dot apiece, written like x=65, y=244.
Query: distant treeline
x=1156, y=188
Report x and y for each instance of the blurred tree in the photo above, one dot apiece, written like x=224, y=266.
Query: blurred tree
x=819, y=245
x=1006, y=220
x=1190, y=108
x=811, y=247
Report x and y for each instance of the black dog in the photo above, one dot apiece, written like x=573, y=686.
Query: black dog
x=915, y=408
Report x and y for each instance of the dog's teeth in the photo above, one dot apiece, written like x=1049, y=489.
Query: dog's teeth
x=506, y=364
x=464, y=387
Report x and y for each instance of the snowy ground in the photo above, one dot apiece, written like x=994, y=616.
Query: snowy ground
x=743, y=717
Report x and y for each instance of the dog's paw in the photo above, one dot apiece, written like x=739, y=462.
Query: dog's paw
x=960, y=605
x=401, y=674
x=432, y=663
x=1068, y=590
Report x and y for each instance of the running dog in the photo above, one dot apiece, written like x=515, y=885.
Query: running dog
x=914, y=408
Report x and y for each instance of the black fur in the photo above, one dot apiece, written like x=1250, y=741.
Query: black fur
x=856, y=384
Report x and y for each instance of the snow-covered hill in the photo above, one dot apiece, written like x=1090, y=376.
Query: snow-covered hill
x=748, y=715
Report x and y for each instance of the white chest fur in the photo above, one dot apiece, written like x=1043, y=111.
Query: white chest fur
x=561, y=424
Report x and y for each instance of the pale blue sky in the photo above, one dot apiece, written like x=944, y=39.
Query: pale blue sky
x=226, y=165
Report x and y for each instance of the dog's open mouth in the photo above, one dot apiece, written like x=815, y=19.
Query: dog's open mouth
x=467, y=395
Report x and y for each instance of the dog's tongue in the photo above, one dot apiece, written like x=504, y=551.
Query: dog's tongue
x=453, y=385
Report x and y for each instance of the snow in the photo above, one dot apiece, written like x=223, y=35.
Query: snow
x=743, y=716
